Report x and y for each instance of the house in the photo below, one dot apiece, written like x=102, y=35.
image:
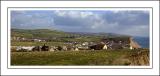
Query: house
x=85, y=43
x=70, y=48
x=99, y=47
x=120, y=43
x=64, y=48
x=105, y=47
x=59, y=48
x=76, y=49
x=37, y=48
x=24, y=48
x=53, y=48
x=83, y=48
x=37, y=40
x=116, y=46
x=45, y=48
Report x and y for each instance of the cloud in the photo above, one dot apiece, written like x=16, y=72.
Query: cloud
x=134, y=23
x=85, y=19
x=29, y=19
x=73, y=14
x=141, y=30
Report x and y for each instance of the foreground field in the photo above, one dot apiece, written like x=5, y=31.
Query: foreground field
x=110, y=57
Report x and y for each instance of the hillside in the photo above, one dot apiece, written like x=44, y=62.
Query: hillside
x=37, y=33
x=65, y=36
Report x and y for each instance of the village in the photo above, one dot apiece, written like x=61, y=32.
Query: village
x=103, y=44
x=78, y=37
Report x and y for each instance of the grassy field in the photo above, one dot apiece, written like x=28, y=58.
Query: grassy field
x=36, y=43
x=110, y=57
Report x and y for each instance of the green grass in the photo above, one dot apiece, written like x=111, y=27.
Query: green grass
x=117, y=57
x=36, y=43
x=61, y=36
x=40, y=33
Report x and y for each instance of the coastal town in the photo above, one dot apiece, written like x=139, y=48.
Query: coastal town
x=104, y=44
x=79, y=37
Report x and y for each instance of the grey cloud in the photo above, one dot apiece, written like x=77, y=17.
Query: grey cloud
x=134, y=23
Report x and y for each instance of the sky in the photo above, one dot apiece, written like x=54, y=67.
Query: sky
x=127, y=22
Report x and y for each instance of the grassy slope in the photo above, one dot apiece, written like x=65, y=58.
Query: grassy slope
x=60, y=35
x=50, y=34
x=118, y=57
x=40, y=33
x=36, y=43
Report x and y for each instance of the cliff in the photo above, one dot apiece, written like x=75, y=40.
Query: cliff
x=134, y=44
x=139, y=58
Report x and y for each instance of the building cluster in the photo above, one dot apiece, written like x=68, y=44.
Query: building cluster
x=22, y=39
x=104, y=44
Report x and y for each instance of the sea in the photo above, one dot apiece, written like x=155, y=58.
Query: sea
x=142, y=41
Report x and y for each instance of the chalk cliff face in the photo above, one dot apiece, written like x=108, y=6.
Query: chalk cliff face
x=134, y=44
